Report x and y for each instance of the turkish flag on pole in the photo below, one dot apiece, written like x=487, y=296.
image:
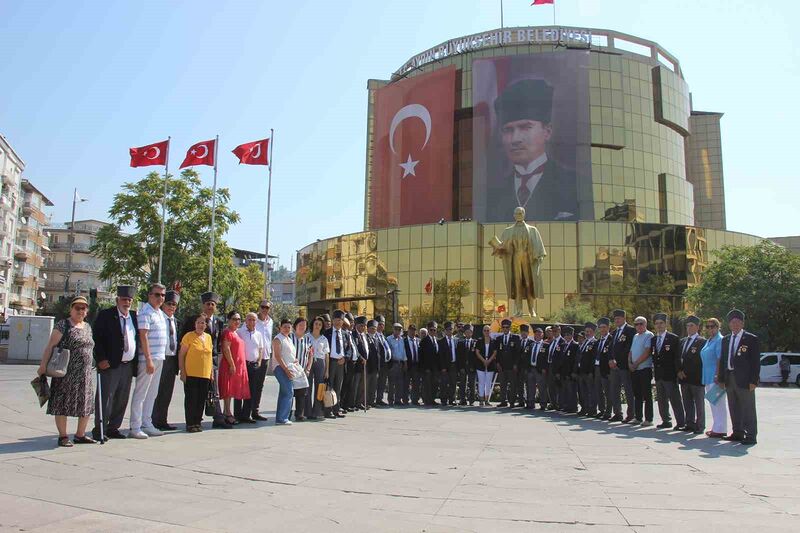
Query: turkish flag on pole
x=152, y=154
x=201, y=153
x=542, y=2
x=411, y=177
x=253, y=153
x=429, y=286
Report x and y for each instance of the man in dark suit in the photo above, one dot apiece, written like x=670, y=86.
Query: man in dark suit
x=522, y=364
x=385, y=353
x=170, y=369
x=115, y=346
x=508, y=346
x=465, y=366
x=546, y=190
x=375, y=362
x=738, y=372
x=586, y=355
x=362, y=346
x=554, y=366
x=413, y=376
x=352, y=370
x=448, y=365
x=620, y=377
x=602, y=387
x=690, y=377
x=532, y=381
x=666, y=346
x=568, y=357
x=339, y=341
x=214, y=327
x=429, y=363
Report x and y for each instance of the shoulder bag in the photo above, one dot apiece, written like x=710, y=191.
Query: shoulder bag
x=59, y=357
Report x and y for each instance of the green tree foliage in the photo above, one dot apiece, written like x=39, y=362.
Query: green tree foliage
x=282, y=310
x=281, y=274
x=129, y=245
x=761, y=280
x=446, y=304
x=575, y=312
x=250, y=290
x=642, y=294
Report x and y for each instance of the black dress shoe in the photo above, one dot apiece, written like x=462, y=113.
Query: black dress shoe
x=259, y=418
x=96, y=437
x=502, y=404
x=678, y=427
x=115, y=434
x=381, y=403
x=733, y=437
x=664, y=425
x=339, y=415
x=747, y=441
x=246, y=420
x=219, y=424
x=165, y=427
x=330, y=416
x=617, y=418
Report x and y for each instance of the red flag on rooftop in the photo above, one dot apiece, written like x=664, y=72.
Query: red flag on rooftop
x=201, y=153
x=542, y=2
x=252, y=153
x=149, y=155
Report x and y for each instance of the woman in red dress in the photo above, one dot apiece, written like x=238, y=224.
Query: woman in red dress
x=233, y=382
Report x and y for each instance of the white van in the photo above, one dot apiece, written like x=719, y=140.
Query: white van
x=771, y=370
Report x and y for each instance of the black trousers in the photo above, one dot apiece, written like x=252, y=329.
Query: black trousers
x=165, y=387
x=300, y=403
x=643, y=393
x=195, y=392
x=255, y=377
x=116, y=388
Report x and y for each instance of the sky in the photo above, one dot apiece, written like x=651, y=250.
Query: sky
x=85, y=80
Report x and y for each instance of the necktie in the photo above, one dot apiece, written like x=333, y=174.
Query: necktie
x=338, y=342
x=534, y=353
x=523, y=191
x=171, y=335
x=732, y=350
x=660, y=342
x=126, y=346
x=505, y=341
x=686, y=347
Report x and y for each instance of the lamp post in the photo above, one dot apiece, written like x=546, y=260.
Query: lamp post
x=75, y=200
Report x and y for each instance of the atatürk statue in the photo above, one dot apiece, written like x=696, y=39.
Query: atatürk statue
x=522, y=252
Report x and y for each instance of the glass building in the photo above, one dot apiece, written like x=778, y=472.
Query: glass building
x=650, y=210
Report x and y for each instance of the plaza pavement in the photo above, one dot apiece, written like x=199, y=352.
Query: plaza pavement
x=404, y=469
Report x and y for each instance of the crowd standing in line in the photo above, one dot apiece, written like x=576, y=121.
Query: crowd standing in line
x=582, y=373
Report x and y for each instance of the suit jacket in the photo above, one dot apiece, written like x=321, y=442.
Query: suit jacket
x=480, y=347
x=746, y=361
x=218, y=326
x=465, y=355
x=524, y=356
x=621, y=349
x=107, y=334
x=508, y=354
x=587, y=353
x=374, y=354
x=445, y=356
x=665, y=361
x=347, y=348
x=554, y=198
x=540, y=362
x=429, y=354
x=690, y=362
x=568, y=358
x=409, y=356
x=602, y=351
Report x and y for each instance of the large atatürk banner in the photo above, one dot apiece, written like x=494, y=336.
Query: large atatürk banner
x=531, y=136
x=412, y=165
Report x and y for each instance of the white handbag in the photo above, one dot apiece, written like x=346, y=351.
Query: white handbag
x=300, y=380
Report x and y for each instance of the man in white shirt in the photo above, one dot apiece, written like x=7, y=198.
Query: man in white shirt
x=265, y=326
x=413, y=379
x=254, y=350
x=170, y=368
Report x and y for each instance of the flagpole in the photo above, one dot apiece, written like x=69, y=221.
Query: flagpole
x=501, y=18
x=163, y=214
x=554, y=13
x=269, y=198
x=213, y=218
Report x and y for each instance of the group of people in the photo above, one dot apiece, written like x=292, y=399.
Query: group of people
x=223, y=367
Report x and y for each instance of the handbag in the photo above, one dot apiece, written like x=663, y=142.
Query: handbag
x=210, y=398
x=330, y=398
x=321, y=388
x=59, y=357
x=41, y=388
x=300, y=380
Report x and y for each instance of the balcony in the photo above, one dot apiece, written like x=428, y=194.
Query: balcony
x=77, y=266
x=80, y=247
x=9, y=180
x=80, y=227
x=57, y=285
x=21, y=253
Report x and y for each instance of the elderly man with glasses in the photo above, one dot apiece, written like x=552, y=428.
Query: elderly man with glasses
x=640, y=363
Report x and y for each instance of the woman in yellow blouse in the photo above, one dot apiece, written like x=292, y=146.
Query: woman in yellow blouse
x=196, y=372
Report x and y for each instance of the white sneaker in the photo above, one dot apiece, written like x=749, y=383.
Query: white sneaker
x=286, y=423
x=139, y=434
x=153, y=432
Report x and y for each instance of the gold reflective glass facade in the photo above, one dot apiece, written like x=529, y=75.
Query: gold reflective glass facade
x=704, y=169
x=600, y=262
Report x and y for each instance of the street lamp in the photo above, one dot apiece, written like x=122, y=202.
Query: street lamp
x=75, y=200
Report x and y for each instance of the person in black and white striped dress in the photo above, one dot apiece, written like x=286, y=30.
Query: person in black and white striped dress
x=302, y=400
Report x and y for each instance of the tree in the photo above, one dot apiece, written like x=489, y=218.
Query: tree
x=250, y=289
x=446, y=304
x=129, y=245
x=281, y=274
x=575, y=312
x=761, y=280
x=282, y=310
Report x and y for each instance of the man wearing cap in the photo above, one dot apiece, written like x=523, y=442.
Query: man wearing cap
x=429, y=363
x=738, y=372
x=413, y=380
x=602, y=388
x=665, y=347
x=547, y=190
x=640, y=362
x=170, y=368
x=397, y=365
x=690, y=376
x=465, y=367
x=508, y=345
x=554, y=366
x=115, y=346
x=620, y=378
x=152, y=349
x=523, y=359
x=214, y=327
x=353, y=370
x=448, y=360
x=586, y=357
x=568, y=358
x=385, y=355
x=534, y=351
x=339, y=341
x=373, y=363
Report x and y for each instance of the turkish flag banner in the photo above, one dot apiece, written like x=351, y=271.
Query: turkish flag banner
x=201, y=153
x=252, y=153
x=152, y=154
x=411, y=177
x=543, y=2
x=429, y=286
